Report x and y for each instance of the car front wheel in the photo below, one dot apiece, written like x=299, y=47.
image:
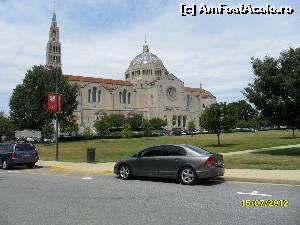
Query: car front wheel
x=187, y=176
x=125, y=172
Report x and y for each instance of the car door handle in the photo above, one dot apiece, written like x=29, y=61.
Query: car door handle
x=177, y=159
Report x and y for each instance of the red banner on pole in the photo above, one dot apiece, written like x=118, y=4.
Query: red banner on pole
x=54, y=103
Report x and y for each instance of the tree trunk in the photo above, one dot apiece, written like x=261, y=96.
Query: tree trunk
x=293, y=132
x=219, y=144
x=42, y=136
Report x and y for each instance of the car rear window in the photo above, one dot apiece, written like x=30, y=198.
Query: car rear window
x=199, y=150
x=25, y=147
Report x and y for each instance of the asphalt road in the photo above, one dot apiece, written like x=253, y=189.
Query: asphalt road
x=43, y=196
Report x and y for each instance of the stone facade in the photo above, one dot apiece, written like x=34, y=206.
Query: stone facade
x=148, y=89
x=53, y=50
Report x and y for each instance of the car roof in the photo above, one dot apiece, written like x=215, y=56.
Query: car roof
x=180, y=145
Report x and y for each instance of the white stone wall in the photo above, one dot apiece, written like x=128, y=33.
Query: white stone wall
x=149, y=100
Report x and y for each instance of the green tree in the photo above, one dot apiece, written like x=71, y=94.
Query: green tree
x=7, y=126
x=69, y=126
x=146, y=126
x=115, y=120
x=102, y=126
x=243, y=109
x=28, y=102
x=135, y=121
x=48, y=131
x=217, y=118
x=158, y=123
x=191, y=127
x=275, y=91
x=242, y=124
x=87, y=133
x=126, y=131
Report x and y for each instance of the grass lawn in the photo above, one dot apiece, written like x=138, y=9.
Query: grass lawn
x=109, y=150
x=283, y=159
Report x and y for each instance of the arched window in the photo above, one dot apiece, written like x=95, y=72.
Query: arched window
x=188, y=100
x=128, y=98
x=89, y=95
x=124, y=96
x=99, y=96
x=120, y=97
x=184, y=121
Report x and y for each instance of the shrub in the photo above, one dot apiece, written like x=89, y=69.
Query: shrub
x=126, y=131
x=87, y=133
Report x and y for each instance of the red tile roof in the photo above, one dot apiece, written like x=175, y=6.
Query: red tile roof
x=199, y=91
x=98, y=80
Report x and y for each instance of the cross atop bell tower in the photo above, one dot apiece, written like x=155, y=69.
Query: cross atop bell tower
x=53, y=51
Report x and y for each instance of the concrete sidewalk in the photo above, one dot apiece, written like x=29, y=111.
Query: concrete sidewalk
x=260, y=150
x=246, y=175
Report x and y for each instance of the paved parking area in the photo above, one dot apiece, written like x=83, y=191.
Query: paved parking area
x=52, y=196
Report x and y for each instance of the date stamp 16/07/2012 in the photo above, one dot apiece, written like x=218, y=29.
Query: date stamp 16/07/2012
x=262, y=202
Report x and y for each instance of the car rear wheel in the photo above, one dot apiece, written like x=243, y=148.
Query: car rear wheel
x=187, y=176
x=125, y=172
x=31, y=165
x=5, y=166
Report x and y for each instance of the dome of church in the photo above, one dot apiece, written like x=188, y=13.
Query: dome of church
x=146, y=57
x=145, y=66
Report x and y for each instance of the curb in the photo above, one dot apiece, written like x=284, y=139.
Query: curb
x=262, y=180
x=104, y=171
x=240, y=179
x=65, y=168
x=59, y=168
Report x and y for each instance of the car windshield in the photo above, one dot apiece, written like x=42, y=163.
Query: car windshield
x=25, y=147
x=199, y=150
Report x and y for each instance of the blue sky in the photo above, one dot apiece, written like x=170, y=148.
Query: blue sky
x=100, y=38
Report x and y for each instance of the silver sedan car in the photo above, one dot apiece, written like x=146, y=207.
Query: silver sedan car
x=187, y=163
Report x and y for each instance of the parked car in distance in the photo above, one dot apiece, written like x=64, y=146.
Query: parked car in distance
x=187, y=163
x=18, y=154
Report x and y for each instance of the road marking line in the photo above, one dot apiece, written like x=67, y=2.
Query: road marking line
x=254, y=193
x=86, y=178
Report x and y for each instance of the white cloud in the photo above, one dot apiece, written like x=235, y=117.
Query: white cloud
x=214, y=51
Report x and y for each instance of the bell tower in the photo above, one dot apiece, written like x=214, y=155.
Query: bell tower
x=53, y=51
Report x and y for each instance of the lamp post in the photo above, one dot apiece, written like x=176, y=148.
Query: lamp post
x=1, y=132
x=56, y=115
x=53, y=68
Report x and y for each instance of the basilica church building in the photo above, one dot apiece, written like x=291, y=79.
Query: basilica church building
x=148, y=89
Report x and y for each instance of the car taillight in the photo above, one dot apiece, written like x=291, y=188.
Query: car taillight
x=211, y=160
x=13, y=155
